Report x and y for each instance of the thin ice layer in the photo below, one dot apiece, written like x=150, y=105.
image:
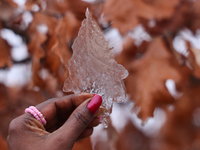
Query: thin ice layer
x=92, y=67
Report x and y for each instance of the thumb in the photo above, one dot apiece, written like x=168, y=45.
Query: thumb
x=79, y=120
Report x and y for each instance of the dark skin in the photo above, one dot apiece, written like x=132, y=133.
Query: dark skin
x=68, y=120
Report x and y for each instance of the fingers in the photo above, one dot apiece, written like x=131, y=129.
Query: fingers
x=54, y=107
x=79, y=120
x=95, y=122
x=86, y=133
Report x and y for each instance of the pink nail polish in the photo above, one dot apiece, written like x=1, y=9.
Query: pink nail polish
x=94, y=104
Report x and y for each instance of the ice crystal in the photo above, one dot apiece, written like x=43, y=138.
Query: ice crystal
x=92, y=67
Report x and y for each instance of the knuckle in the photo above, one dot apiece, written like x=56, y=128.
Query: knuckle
x=13, y=130
x=13, y=126
x=82, y=119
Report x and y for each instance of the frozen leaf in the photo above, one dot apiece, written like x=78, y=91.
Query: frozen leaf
x=93, y=69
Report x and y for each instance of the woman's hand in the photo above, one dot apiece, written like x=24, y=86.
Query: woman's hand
x=68, y=119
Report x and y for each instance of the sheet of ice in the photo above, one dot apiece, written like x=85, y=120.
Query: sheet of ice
x=93, y=69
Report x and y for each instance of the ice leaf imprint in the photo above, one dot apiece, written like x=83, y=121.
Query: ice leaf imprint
x=93, y=69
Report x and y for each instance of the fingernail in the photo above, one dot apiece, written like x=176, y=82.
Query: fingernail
x=93, y=94
x=94, y=104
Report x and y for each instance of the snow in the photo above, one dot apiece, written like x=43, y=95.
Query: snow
x=27, y=18
x=121, y=115
x=35, y=8
x=115, y=40
x=179, y=42
x=42, y=28
x=19, y=49
x=16, y=76
x=12, y=39
x=171, y=87
x=20, y=2
x=139, y=35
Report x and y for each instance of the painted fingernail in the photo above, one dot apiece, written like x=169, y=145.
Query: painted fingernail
x=94, y=104
x=93, y=94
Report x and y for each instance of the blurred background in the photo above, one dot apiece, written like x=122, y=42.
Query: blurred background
x=157, y=41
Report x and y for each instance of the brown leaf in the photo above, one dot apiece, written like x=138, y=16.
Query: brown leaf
x=146, y=82
x=84, y=144
x=194, y=60
x=131, y=138
x=3, y=143
x=7, y=9
x=54, y=7
x=112, y=138
x=66, y=32
x=3, y=98
x=125, y=14
x=37, y=40
x=195, y=23
x=5, y=56
x=131, y=52
x=180, y=130
x=182, y=16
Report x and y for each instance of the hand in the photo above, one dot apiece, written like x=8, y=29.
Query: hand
x=69, y=119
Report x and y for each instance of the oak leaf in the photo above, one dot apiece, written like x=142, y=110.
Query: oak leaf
x=182, y=125
x=125, y=14
x=5, y=56
x=83, y=144
x=3, y=143
x=128, y=138
x=147, y=77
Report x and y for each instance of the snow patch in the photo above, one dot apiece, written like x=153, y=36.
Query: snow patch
x=19, y=49
x=115, y=40
x=27, y=18
x=171, y=87
x=16, y=76
x=139, y=35
x=20, y=2
x=42, y=28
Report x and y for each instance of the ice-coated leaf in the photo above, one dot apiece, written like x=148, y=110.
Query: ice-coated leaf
x=93, y=69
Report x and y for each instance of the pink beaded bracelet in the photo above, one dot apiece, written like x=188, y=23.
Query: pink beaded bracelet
x=36, y=113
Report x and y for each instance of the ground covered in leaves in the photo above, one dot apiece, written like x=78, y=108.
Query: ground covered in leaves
x=158, y=42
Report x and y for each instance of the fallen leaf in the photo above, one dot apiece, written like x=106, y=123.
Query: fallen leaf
x=7, y=10
x=3, y=143
x=146, y=82
x=125, y=14
x=130, y=138
x=38, y=31
x=194, y=60
x=84, y=144
x=183, y=16
x=3, y=98
x=180, y=130
x=59, y=8
x=107, y=138
x=5, y=56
